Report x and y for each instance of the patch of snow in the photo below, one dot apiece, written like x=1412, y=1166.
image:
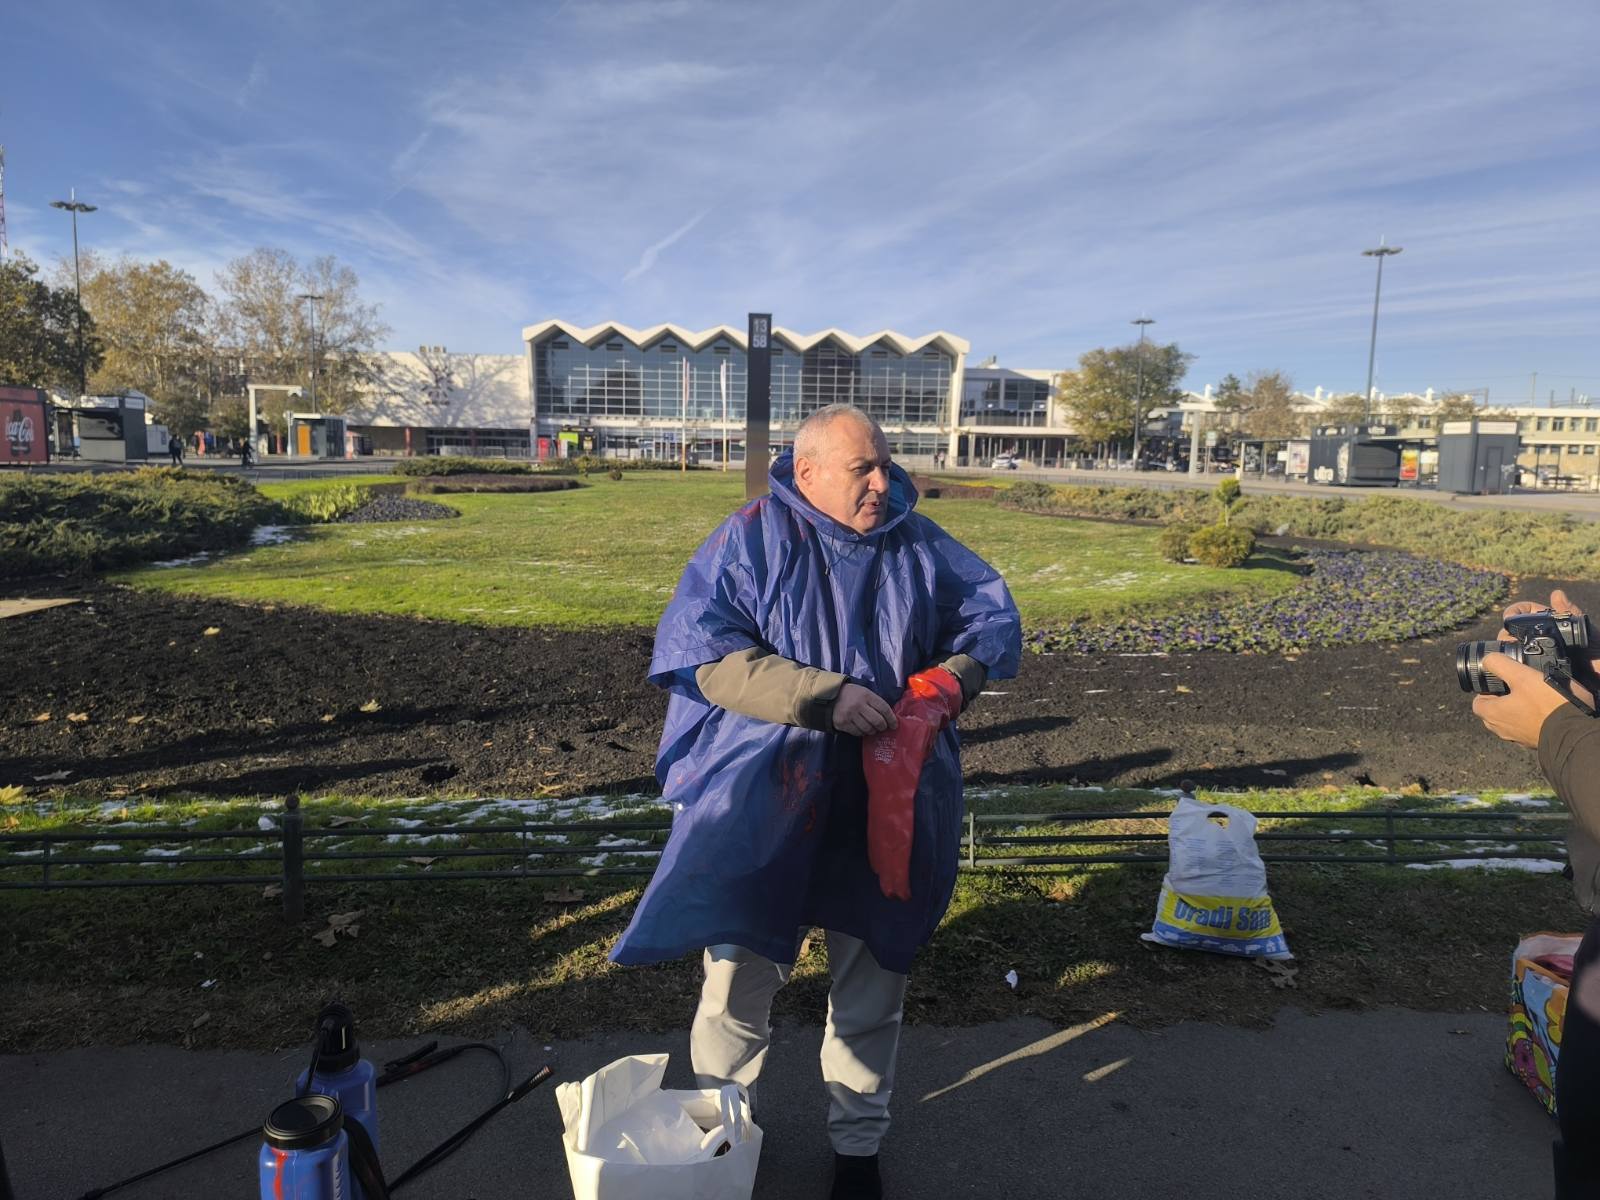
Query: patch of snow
x=421, y=839
x=1537, y=866
x=595, y=860
x=163, y=851
x=621, y=841
x=270, y=535
x=26, y=853
x=1524, y=800
x=108, y=847
x=1467, y=801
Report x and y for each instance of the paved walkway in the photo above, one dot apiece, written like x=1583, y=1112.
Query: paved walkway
x=1388, y=1104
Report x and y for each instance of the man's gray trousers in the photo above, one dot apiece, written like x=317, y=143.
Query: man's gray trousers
x=733, y=1026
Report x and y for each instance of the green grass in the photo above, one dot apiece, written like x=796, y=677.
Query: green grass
x=82, y=967
x=610, y=554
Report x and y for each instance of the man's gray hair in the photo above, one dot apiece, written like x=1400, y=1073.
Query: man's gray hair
x=808, y=438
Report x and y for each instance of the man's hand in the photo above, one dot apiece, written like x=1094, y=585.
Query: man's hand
x=862, y=712
x=1519, y=716
x=1558, y=603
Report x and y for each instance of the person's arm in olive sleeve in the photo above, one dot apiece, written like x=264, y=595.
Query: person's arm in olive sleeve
x=769, y=687
x=758, y=683
x=1569, y=756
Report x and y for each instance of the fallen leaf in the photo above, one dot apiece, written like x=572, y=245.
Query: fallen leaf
x=1405, y=683
x=41, y=718
x=1414, y=662
x=340, y=920
x=53, y=777
x=11, y=795
x=200, y=1020
x=326, y=936
x=423, y=860
x=486, y=745
x=137, y=720
x=211, y=631
x=340, y=821
x=371, y=706
x=272, y=891
x=1181, y=688
x=326, y=717
x=78, y=718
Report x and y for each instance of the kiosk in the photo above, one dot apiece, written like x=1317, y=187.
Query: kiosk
x=1478, y=458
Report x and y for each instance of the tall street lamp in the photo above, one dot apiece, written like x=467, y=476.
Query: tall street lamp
x=313, y=297
x=1138, y=404
x=76, y=206
x=1380, y=252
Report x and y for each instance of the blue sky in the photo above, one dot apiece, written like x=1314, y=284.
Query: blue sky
x=1029, y=176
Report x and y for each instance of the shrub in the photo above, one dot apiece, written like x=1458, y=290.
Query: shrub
x=615, y=474
x=1174, y=541
x=324, y=504
x=493, y=483
x=1029, y=493
x=456, y=464
x=81, y=523
x=1221, y=545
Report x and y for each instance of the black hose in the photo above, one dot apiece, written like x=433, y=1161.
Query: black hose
x=419, y=1060
x=460, y=1137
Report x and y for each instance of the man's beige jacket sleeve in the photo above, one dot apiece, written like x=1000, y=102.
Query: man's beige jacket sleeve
x=769, y=687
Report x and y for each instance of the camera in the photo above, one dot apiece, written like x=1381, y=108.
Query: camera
x=1553, y=643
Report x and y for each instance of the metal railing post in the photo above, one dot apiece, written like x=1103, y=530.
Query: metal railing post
x=1388, y=825
x=294, y=880
x=972, y=841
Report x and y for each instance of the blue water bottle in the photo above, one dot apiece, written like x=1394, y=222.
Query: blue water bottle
x=305, y=1154
x=341, y=1072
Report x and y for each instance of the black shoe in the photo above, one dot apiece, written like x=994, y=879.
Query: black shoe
x=855, y=1177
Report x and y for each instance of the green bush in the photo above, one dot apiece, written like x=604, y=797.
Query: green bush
x=1174, y=541
x=1029, y=493
x=1227, y=491
x=493, y=483
x=456, y=464
x=615, y=474
x=1221, y=545
x=336, y=500
x=81, y=523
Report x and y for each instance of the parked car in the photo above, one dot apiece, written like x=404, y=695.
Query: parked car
x=1003, y=462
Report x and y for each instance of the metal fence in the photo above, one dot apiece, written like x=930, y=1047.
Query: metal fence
x=302, y=857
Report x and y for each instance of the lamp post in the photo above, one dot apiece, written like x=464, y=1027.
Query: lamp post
x=1380, y=252
x=313, y=297
x=1138, y=404
x=76, y=206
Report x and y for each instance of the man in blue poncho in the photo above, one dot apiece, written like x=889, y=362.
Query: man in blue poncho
x=793, y=632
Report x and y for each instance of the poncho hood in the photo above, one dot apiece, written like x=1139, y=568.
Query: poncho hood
x=902, y=500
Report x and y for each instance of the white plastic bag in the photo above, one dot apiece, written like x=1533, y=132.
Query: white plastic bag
x=628, y=1139
x=1215, y=894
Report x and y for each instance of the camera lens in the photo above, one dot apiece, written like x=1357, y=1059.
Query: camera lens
x=1469, y=666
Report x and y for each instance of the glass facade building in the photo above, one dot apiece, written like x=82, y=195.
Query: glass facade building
x=642, y=395
x=995, y=396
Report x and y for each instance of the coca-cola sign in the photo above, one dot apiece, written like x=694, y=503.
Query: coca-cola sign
x=23, y=426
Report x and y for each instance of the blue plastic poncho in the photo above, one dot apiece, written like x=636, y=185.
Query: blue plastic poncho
x=769, y=821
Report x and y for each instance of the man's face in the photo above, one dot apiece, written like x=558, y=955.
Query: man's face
x=849, y=478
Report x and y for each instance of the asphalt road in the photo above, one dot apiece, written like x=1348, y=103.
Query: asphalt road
x=1387, y=1103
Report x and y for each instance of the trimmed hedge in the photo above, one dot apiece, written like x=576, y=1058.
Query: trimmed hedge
x=1174, y=541
x=335, y=501
x=1556, y=545
x=493, y=483
x=82, y=523
x=436, y=465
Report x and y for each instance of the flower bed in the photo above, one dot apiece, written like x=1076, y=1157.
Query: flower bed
x=1348, y=596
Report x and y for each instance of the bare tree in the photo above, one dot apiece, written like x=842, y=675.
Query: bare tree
x=265, y=320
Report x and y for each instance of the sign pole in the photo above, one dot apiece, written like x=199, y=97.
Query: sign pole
x=757, y=405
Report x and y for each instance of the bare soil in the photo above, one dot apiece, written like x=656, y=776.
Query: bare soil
x=278, y=700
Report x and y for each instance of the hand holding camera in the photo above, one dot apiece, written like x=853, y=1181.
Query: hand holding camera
x=1542, y=657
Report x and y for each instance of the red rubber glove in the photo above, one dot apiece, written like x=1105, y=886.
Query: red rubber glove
x=893, y=763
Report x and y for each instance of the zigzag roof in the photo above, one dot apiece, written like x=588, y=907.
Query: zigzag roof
x=698, y=339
